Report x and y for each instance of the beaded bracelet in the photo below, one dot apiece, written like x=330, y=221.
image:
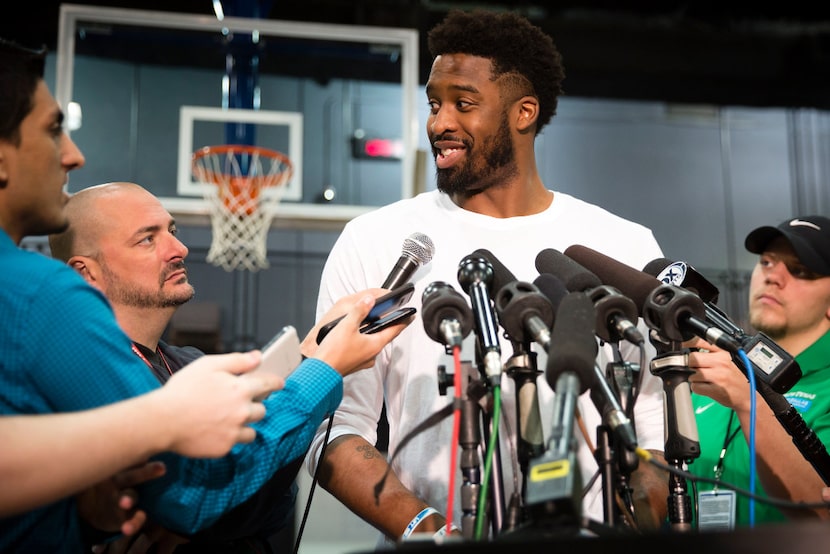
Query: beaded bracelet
x=428, y=511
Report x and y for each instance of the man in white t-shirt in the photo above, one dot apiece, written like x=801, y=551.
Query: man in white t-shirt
x=493, y=86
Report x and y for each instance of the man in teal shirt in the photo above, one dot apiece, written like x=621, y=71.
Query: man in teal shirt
x=789, y=300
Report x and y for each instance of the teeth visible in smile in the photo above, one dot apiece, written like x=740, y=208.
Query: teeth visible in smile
x=447, y=151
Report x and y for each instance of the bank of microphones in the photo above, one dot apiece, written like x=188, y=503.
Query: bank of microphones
x=581, y=299
x=770, y=362
x=675, y=301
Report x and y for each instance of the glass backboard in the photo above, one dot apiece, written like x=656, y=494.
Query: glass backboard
x=155, y=86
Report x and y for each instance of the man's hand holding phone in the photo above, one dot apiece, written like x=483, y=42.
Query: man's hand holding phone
x=353, y=339
x=385, y=313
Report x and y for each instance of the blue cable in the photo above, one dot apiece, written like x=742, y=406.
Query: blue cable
x=751, y=374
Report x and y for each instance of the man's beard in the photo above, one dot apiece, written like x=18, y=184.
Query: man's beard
x=498, y=163
x=129, y=295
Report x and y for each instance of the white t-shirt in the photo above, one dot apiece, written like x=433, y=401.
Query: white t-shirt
x=407, y=369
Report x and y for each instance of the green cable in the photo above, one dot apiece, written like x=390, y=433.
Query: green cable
x=488, y=462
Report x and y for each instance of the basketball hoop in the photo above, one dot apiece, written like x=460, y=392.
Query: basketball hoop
x=247, y=185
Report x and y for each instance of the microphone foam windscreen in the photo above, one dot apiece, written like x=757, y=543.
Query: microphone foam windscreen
x=552, y=287
x=573, y=343
x=440, y=302
x=656, y=266
x=501, y=275
x=633, y=283
x=576, y=277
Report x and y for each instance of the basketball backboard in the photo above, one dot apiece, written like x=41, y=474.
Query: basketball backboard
x=156, y=86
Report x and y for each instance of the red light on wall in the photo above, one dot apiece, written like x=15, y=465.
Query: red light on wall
x=378, y=148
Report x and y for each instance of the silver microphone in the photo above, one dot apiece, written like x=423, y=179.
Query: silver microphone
x=417, y=250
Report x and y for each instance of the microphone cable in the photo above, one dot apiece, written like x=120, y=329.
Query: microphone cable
x=456, y=427
x=647, y=456
x=752, y=461
x=488, y=462
x=313, y=485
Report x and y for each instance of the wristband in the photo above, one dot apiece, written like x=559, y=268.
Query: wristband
x=428, y=511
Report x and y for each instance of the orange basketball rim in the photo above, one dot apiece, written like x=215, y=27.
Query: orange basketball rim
x=241, y=172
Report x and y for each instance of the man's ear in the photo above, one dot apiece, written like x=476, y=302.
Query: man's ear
x=528, y=107
x=88, y=268
x=4, y=170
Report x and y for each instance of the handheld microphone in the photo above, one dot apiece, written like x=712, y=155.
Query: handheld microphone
x=616, y=314
x=770, y=362
x=525, y=313
x=475, y=275
x=554, y=483
x=677, y=314
x=446, y=315
x=417, y=250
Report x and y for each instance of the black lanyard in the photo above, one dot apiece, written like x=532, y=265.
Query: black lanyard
x=730, y=434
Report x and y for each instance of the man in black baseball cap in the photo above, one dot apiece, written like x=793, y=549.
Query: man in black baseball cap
x=789, y=300
x=809, y=236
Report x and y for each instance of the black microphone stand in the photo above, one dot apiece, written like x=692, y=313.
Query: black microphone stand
x=667, y=308
x=606, y=458
x=474, y=432
x=495, y=507
x=681, y=438
x=616, y=463
x=619, y=375
x=522, y=368
x=469, y=439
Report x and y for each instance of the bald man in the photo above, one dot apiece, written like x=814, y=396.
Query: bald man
x=123, y=242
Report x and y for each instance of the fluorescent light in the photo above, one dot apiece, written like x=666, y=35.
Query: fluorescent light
x=217, y=8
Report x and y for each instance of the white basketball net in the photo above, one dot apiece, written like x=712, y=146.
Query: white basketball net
x=243, y=186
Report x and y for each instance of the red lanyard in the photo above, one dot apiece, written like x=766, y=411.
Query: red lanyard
x=146, y=361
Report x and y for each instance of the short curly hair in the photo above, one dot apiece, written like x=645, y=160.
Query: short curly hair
x=512, y=43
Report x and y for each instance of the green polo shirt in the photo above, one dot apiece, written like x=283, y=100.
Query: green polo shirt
x=810, y=396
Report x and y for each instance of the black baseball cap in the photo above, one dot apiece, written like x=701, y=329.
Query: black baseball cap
x=809, y=236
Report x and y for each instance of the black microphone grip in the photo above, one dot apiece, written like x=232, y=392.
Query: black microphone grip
x=401, y=272
x=417, y=250
x=807, y=442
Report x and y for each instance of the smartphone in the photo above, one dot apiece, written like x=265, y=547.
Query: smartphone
x=383, y=306
x=388, y=320
x=281, y=355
